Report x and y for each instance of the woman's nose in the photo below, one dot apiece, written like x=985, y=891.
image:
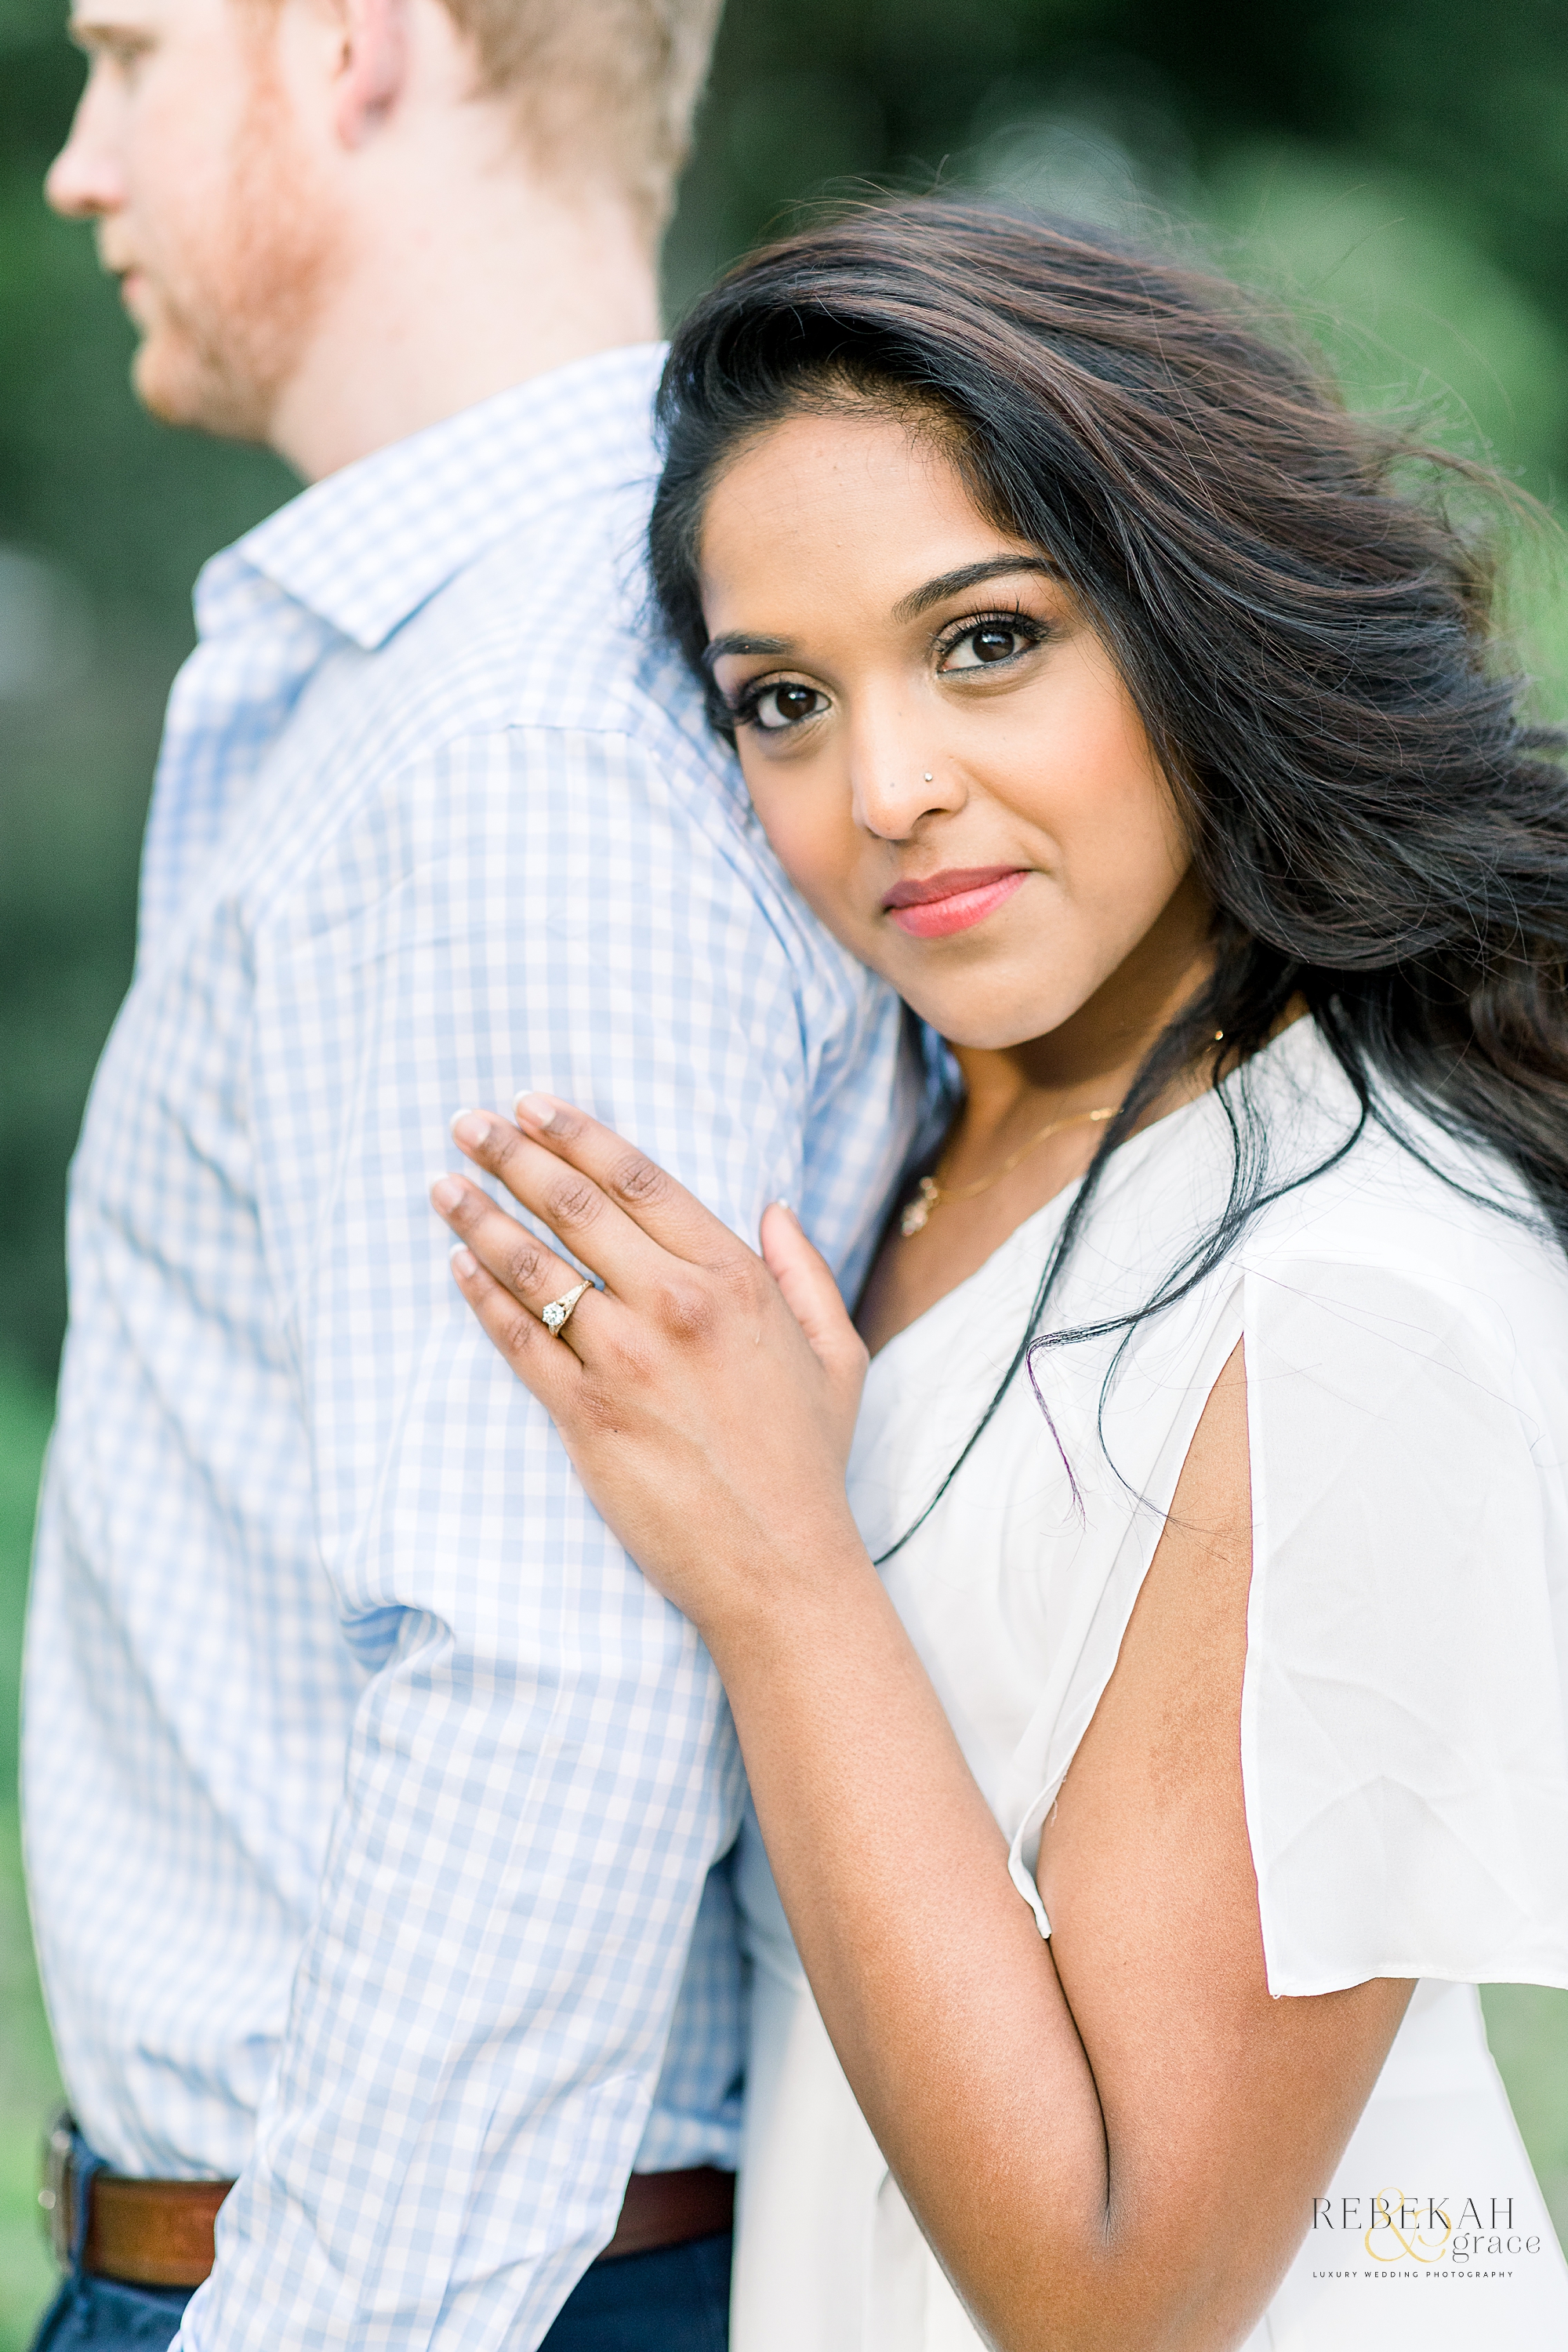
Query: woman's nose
x=894, y=788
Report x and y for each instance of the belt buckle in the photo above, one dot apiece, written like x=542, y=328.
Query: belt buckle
x=55, y=2196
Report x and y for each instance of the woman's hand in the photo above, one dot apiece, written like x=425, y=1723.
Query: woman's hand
x=706, y=1395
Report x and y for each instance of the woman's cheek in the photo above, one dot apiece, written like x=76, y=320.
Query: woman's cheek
x=830, y=889
x=813, y=843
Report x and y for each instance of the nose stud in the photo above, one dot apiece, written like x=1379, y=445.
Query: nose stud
x=928, y=775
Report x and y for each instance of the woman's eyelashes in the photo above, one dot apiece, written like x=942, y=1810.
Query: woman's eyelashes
x=777, y=704
x=988, y=643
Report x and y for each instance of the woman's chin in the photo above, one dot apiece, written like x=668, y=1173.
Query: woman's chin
x=992, y=1026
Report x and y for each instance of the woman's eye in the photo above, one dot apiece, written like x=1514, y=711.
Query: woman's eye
x=987, y=643
x=778, y=706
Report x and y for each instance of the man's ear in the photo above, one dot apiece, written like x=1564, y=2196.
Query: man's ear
x=370, y=71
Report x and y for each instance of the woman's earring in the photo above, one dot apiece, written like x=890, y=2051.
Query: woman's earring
x=928, y=775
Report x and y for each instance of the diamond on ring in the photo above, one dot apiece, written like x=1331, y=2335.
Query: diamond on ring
x=555, y=1316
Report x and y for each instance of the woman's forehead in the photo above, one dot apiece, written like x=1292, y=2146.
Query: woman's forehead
x=817, y=503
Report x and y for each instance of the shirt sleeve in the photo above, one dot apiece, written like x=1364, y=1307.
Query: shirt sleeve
x=541, y=1770
x=1405, y=1734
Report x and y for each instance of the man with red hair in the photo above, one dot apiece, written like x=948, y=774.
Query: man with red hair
x=376, y=1810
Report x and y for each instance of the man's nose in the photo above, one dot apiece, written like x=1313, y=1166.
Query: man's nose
x=84, y=180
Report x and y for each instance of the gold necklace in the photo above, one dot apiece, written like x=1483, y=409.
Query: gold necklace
x=930, y=1195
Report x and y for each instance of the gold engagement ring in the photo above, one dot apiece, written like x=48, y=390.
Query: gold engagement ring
x=556, y=1316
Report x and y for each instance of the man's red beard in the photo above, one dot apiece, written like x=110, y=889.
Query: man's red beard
x=230, y=322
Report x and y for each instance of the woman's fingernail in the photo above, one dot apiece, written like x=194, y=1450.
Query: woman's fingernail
x=788, y=1211
x=465, y=1265
x=447, y=1191
x=538, y=1109
x=471, y=1128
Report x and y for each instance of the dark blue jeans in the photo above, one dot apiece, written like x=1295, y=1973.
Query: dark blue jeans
x=110, y=2318
x=677, y=2300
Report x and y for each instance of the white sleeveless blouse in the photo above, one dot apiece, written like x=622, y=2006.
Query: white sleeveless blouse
x=1405, y=1713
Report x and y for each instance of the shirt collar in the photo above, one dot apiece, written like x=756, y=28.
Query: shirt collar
x=364, y=548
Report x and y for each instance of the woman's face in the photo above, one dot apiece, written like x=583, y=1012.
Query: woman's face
x=935, y=740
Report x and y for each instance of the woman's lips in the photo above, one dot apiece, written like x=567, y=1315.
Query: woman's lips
x=946, y=903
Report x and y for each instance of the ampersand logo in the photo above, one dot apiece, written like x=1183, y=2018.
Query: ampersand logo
x=1413, y=2228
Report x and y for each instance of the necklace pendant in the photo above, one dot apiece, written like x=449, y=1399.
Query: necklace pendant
x=917, y=1213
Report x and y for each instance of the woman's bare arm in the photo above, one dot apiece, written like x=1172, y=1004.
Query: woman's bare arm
x=1112, y=2140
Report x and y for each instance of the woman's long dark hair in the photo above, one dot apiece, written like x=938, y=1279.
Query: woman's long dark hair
x=1380, y=831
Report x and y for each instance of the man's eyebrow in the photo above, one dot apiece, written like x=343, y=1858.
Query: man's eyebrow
x=86, y=30
x=738, y=641
x=97, y=32
x=968, y=575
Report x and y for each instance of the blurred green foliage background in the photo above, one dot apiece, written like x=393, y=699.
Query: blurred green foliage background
x=1397, y=169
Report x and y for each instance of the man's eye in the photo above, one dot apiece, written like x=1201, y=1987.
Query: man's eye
x=785, y=706
x=988, y=642
x=122, y=57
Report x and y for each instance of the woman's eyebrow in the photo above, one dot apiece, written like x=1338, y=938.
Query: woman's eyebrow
x=738, y=641
x=968, y=575
x=908, y=608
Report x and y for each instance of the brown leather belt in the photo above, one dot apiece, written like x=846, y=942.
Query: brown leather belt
x=159, y=2233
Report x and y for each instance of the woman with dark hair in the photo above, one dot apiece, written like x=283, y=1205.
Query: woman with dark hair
x=1165, y=1728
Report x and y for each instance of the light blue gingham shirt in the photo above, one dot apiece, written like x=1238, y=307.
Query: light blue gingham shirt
x=371, y=1795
